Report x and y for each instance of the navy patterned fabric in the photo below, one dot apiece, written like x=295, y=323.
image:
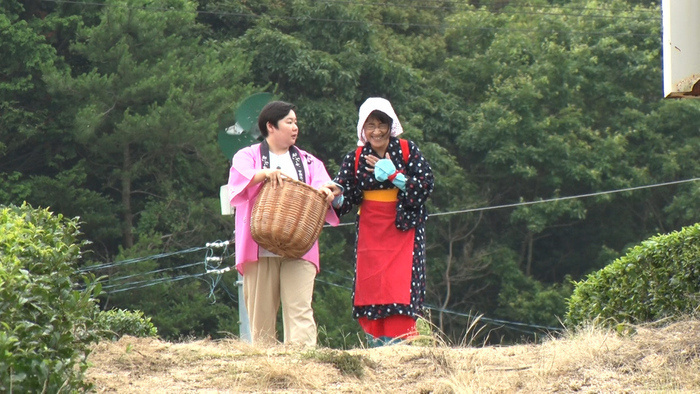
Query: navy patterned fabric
x=410, y=213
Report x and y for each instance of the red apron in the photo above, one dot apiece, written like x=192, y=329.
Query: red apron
x=384, y=253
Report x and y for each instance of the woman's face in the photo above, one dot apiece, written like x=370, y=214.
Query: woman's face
x=284, y=134
x=377, y=133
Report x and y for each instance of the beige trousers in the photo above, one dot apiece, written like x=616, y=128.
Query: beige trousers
x=275, y=279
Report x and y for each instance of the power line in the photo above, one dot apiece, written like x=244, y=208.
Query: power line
x=333, y=284
x=448, y=5
x=555, y=199
x=155, y=282
x=153, y=272
x=139, y=259
x=504, y=10
x=224, y=244
x=209, y=270
x=144, y=284
x=363, y=21
x=566, y=198
x=494, y=321
x=470, y=316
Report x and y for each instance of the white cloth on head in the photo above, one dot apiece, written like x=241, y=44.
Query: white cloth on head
x=376, y=104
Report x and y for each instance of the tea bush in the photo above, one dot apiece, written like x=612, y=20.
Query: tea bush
x=657, y=279
x=46, y=325
x=115, y=323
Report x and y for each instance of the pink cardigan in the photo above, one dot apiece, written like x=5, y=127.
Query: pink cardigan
x=246, y=162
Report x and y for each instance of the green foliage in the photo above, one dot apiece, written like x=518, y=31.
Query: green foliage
x=426, y=336
x=192, y=313
x=657, y=279
x=181, y=309
x=46, y=325
x=333, y=314
x=115, y=323
x=147, y=112
x=346, y=363
x=333, y=291
x=523, y=299
x=111, y=112
x=25, y=54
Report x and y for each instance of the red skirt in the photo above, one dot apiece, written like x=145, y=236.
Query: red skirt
x=394, y=326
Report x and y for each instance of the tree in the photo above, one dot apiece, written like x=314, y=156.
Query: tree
x=24, y=104
x=147, y=114
x=144, y=122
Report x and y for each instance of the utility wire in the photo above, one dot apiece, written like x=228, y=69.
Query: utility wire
x=493, y=321
x=566, y=198
x=333, y=284
x=451, y=6
x=225, y=254
x=153, y=257
x=627, y=189
x=505, y=10
x=153, y=272
x=139, y=259
x=470, y=316
x=362, y=21
x=448, y=5
x=163, y=280
x=217, y=271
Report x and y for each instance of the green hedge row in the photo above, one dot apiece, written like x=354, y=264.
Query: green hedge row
x=657, y=279
x=47, y=326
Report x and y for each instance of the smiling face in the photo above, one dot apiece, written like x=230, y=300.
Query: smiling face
x=377, y=133
x=284, y=134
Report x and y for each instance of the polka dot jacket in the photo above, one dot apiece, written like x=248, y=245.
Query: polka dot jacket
x=410, y=213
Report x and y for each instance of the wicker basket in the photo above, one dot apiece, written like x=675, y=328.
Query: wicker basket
x=287, y=220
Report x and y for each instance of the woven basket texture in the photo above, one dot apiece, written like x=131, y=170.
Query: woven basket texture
x=288, y=219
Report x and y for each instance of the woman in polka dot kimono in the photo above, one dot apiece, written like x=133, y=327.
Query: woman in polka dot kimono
x=390, y=181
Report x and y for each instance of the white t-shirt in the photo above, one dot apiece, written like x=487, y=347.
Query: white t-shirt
x=285, y=164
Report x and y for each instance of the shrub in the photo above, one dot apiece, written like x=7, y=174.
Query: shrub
x=45, y=325
x=116, y=323
x=658, y=279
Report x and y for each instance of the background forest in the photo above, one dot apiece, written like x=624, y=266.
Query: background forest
x=552, y=147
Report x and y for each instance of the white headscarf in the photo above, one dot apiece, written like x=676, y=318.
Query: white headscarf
x=376, y=104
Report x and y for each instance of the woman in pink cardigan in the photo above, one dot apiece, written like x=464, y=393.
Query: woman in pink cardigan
x=269, y=279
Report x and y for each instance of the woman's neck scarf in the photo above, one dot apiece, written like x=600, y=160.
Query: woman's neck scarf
x=293, y=152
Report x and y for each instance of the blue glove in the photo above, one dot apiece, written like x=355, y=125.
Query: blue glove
x=384, y=169
x=400, y=181
x=338, y=201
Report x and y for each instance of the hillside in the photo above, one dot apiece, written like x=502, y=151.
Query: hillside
x=656, y=358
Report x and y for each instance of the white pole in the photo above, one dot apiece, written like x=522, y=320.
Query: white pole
x=243, y=322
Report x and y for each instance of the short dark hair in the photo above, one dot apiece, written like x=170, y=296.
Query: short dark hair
x=273, y=112
x=381, y=116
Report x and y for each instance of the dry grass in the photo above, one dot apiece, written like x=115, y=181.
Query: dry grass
x=654, y=359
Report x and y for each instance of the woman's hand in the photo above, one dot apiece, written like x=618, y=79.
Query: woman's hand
x=273, y=175
x=335, y=188
x=327, y=192
x=372, y=160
